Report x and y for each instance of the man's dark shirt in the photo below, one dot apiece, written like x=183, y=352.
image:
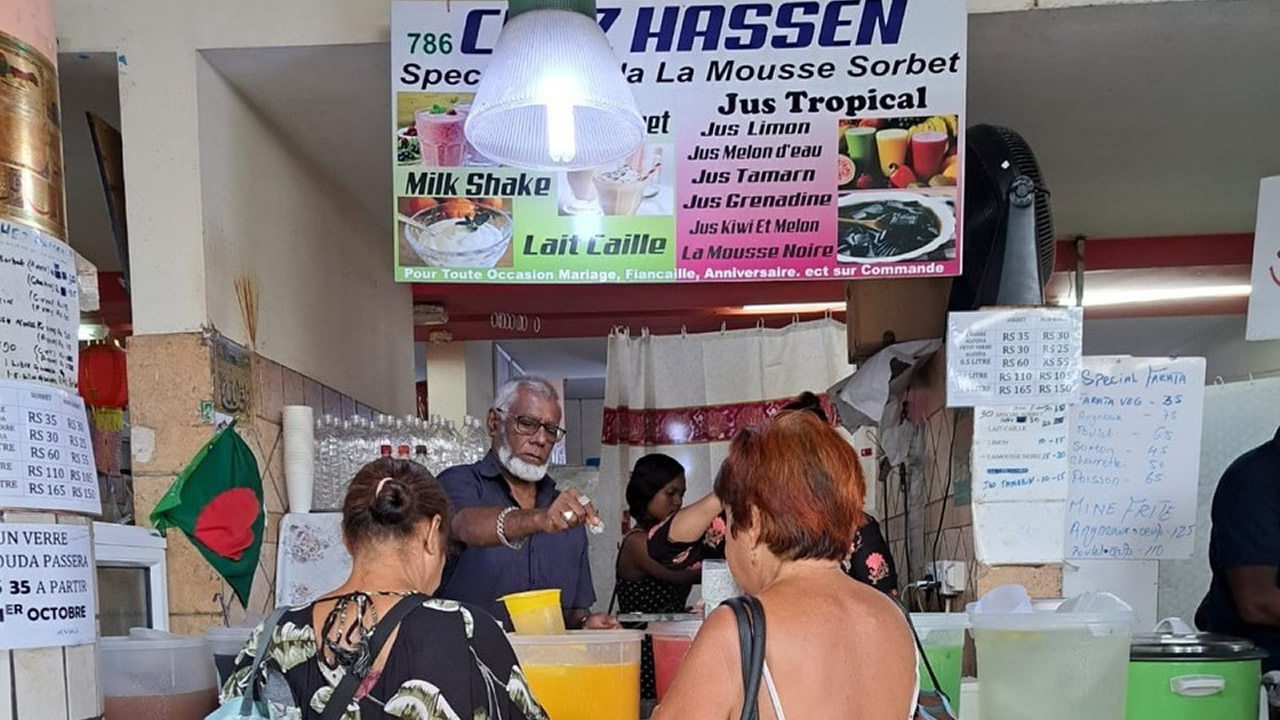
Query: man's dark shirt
x=1246, y=532
x=481, y=576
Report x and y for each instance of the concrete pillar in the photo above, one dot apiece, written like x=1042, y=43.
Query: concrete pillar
x=45, y=682
x=447, y=380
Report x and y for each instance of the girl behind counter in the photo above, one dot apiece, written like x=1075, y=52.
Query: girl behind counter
x=442, y=655
x=654, y=493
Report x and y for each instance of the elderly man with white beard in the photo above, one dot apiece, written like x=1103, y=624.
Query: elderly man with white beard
x=519, y=531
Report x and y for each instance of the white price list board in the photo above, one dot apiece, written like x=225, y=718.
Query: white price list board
x=1014, y=357
x=1020, y=453
x=46, y=455
x=1135, y=458
x=46, y=586
x=39, y=307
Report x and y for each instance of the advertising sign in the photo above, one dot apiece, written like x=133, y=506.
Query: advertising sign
x=1264, y=301
x=46, y=575
x=785, y=141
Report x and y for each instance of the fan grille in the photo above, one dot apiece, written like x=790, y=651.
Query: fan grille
x=1025, y=161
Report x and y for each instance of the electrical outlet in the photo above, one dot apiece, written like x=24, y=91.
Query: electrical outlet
x=952, y=575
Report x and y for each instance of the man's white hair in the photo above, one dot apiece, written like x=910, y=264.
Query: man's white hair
x=506, y=396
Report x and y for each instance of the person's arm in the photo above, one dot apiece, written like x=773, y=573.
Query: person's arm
x=477, y=525
x=708, y=685
x=636, y=562
x=1256, y=594
x=690, y=523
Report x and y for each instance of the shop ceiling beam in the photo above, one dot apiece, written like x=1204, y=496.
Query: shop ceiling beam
x=1172, y=251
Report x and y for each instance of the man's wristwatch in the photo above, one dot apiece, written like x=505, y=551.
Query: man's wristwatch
x=502, y=530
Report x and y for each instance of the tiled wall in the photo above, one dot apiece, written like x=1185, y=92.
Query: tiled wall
x=169, y=376
x=929, y=493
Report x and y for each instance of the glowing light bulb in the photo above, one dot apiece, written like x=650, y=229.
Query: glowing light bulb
x=560, y=140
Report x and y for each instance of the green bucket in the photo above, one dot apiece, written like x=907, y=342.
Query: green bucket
x=1193, y=677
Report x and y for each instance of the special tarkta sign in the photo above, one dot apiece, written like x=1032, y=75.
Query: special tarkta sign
x=785, y=141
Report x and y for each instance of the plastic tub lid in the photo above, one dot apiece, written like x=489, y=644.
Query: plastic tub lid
x=940, y=621
x=1099, y=623
x=151, y=643
x=578, y=638
x=229, y=633
x=684, y=628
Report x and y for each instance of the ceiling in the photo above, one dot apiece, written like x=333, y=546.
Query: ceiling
x=1148, y=120
x=566, y=357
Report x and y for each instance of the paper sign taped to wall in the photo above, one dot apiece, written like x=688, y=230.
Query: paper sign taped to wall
x=39, y=307
x=46, y=455
x=1014, y=357
x=1020, y=453
x=1018, y=533
x=1135, y=458
x=47, y=577
x=1264, y=299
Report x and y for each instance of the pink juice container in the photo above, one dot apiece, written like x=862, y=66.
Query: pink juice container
x=671, y=642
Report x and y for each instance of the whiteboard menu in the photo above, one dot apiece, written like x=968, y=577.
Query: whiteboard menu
x=47, y=577
x=46, y=456
x=1014, y=357
x=39, y=307
x=1135, y=458
x=1020, y=453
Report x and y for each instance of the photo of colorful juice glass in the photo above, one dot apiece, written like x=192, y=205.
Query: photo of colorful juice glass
x=440, y=136
x=892, y=147
x=928, y=149
x=861, y=145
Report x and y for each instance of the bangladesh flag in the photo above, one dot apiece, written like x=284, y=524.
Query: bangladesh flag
x=217, y=502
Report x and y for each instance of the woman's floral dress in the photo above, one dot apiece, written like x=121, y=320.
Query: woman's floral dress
x=869, y=560
x=449, y=661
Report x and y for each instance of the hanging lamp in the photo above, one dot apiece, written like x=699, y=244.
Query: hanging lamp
x=553, y=97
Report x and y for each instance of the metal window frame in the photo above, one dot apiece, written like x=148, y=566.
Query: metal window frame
x=129, y=546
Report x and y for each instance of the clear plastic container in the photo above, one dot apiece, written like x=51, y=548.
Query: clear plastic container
x=671, y=642
x=584, y=675
x=226, y=644
x=942, y=635
x=1052, y=665
x=157, y=676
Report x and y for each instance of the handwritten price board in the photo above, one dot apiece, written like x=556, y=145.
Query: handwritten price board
x=1020, y=453
x=39, y=307
x=1014, y=357
x=46, y=456
x=1135, y=458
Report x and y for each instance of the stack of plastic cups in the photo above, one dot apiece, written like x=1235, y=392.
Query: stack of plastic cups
x=299, y=456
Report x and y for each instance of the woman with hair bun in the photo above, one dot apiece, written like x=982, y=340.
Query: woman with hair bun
x=654, y=493
x=443, y=660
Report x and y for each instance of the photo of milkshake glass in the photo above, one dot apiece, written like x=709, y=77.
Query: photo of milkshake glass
x=583, y=191
x=441, y=137
x=860, y=142
x=620, y=191
x=928, y=149
x=651, y=167
x=892, y=147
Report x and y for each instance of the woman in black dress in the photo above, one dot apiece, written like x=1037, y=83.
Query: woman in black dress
x=446, y=660
x=697, y=533
x=655, y=492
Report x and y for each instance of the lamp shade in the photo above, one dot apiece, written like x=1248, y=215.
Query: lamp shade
x=104, y=379
x=553, y=96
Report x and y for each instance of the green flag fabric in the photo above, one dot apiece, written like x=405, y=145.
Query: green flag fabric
x=217, y=501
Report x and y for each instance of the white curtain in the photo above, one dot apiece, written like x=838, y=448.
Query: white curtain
x=686, y=396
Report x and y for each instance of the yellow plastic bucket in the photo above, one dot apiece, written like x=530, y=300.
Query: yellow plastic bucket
x=536, y=612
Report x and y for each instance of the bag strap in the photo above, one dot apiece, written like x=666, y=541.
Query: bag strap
x=749, y=614
x=268, y=632
x=346, y=689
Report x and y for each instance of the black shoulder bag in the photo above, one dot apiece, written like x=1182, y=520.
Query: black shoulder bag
x=751, y=633
x=346, y=689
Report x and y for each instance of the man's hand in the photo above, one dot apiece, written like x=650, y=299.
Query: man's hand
x=601, y=621
x=568, y=511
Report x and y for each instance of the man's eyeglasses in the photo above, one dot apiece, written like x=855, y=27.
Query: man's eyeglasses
x=526, y=425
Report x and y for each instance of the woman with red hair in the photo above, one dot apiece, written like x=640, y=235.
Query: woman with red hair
x=835, y=648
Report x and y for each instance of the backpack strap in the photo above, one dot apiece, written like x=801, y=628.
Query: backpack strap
x=346, y=689
x=264, y=642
